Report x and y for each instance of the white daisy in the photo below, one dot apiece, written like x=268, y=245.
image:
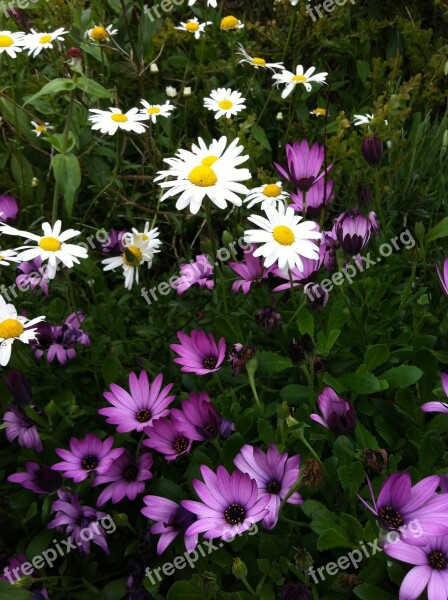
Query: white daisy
x=98, y=33
x=109, y=121
x=212, y=3
x=269, y=194
x=319, y=112
x=8, y=255
x=225, y=102
x=35, y=42
x=154, y=111
x=364, y=119
x=206, y=171
x=285, y=239
x=11, y=42
x=51, y=246
x=40, y=128
x=193, y=26
x=14, y=327
x=256, y=62
x=300, y=78
x=230, y=22
x=139, y=248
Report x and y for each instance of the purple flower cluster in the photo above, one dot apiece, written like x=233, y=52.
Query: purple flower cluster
x=59, y=341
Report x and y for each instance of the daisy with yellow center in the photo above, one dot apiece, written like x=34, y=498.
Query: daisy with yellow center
x=14, y=327
x=300, y=77
x=319, y=112
x=51, y=247
x=206, y=172
x=194, y=26
x=284, y=238
x=40, y=128
x=109, y=121
x=154, y=111
x=269, y=194
x=99, y=34
x=231, y=22
x=11, y=42
x=7, y=256
x=257, y=62
x=35, y=42
x=225, y=102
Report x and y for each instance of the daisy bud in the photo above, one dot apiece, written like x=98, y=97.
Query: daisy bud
x=187, y=91
x=154, y=68
x=170, y=91
x=279, y=116
x=372, y=150
x=283, y=411
x=239, y=568
x=227, y=238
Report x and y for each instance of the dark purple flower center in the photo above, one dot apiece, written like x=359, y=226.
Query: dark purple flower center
x=180, y=444
x=181, y=519
x=89, y=462
x=305, y=183
x=391, y=517
x=130, y=473
x=210, y=430
x=143, y=415
x=210, y=362
x=437, y=560
x=273, y=487
x=235, y=514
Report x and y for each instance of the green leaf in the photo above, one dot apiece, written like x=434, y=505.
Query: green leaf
x=375, y=356
x=333, y=539
x=439, y=231
x=366, y=591
x=265, y=431
x=9, y=592
x=184, y=590
x=361, y=383
x=269, y=362
x=60, y=84
x=93, y=88
x=363, y=69
x=114, y=590
x=22, y=171
x=305, y=322
x=259, y=136
x=402, y=376
x=67, y=174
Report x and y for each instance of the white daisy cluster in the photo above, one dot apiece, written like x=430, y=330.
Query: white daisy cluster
x=300, y=77
x=34, y=42
x=110, y=121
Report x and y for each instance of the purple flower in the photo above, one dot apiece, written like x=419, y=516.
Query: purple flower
x=198, y=272
x=251, y=270
x=431, y=568
x=267, y=318
x=444, y=276
x=311, y=267
x=199, y=353
x=72, y=518
x=89, y=455
x=328, y=247
x=18, y=386
x=12, y=573
x=226, y=428
x=275, y=475
x=9, y=209
x=172, y=519
x=372, y=150
x=296, y=591
x=144, y=404
x=399, y=503
x=33, y=275
x=19, y=426
x=126, y=476
x=339, y=416
x=59, y=341
x=352, y=230
x=230, y=504
x=40, y=479
x=114, y=244
x=315, y=198
x=166, y=437
x=441, y=407
x=198, y=420
x=304, y=164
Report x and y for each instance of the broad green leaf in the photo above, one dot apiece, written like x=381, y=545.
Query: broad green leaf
x=402, y=376
x=93, y=88
x=439, y=231
x=269, y=362
x=184, y=590
x=361, y=383
x=60, y=84
x=366, y=591
x=376, y=355
x=68, y=176
x=305, y=322
x=259, y=136
x=9, y=592
x=333, y=539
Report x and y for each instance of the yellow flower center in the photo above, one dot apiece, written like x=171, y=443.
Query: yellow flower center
x=119, y=118
x=320, y=111
x=283, y=235
x=132, y=256
x=225, y=104
x=10, y=328
x=272, y=190
x=153, y=110
x=259, y=62
x=229, y=23
x=6, y=41
x=99, y=34
x=50, y=244
x=298, y=78
x=40, y=128
x=203, y=176
x=208, y=161
x=192, y=26
x=45, y=39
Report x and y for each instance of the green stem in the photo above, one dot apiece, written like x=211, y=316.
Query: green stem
x=310, y=448
x=248, y=587
x=378, y=206
x=250, y=369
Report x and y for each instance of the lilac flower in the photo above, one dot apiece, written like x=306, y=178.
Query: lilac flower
x=275, y=475
x=431, y=568
x=251, y=270
x=59, y=341
x=443, y=483
x=441, y=407
x=19, y=426
x=166, y=437
x=114, y=243
x=311, y=267
x=444, y=276
x=144, y=404
x=40, y=479
x=12, y=573
x=317, y=198
x=230, y=504
x=328, y=247
x=198, y=272
x=198, y=420
x=172, y=519
x=304, y=164
x=88, y=455
x=33, y=275
x=199, y=352
x=339, y=416
x=126, y=476
x=72, y=517
x=352, y=231
x=226, y=428
x=18, y=386
x=9, y=209
x=267, y=318
x=399, y=503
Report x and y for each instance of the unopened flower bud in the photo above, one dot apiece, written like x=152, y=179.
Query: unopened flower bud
x=170, y=91
x=303, y=559
x=187, y=91
x=372, y=150
x=239, y=568
x=154, y=68
x=279, y=116
x=283, y=411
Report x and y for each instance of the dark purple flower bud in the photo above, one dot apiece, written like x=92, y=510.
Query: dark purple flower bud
x=19, y=387
x=114, y=244
x=267, y=319
x=296, y=591
x=40, y=479
x=239, y=356
x=365, y=199
x=338, y=415
x=352, y=231
x=226, y=428
x=9, y=209
x=136, y=570
x=372, y=150
x=296, y=352
x=303, y=164
x=75, y=53
x=19, y=16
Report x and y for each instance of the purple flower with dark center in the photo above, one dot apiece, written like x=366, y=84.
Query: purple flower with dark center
x=304, y=164
x=275, y=475
x=317, y=199
x=430, y=571
x=296, y=591
x=89, y=455
x=59, y=341
x=230, y=504
x=40, y=479
x=199, y=272
x=19, y=426
x=352, y=231
x=172, y=520
x=13, y=573
x=251, y=270
x=268, y=319
x=33, y=275
x=166, y=437
x=399, y=503
x=114, y=243
x=199, y=353
x=311, y=267
x=18, y=386
x=72, y=517
x=126, y=476
x=198, y=420
x=339, y=416
x=441, y=407
x=144, y=404
x=9, y=209
x=444, y=276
